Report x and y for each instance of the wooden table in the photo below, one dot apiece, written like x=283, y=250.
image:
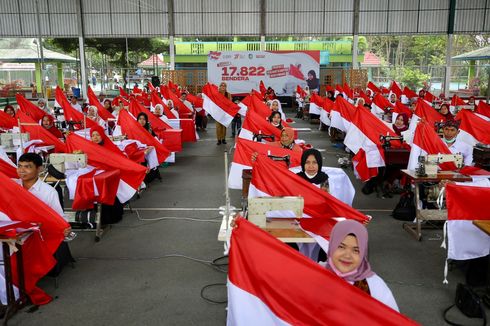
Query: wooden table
x=483, y=225
x=429, y=214
x=284, y=229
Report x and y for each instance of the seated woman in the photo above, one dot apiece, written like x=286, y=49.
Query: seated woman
x=311, y=168
x=142, y=119
x=287, y=140
x=48, y=123
x=9, y=109
x=174, y=111
x=401, y=124
x=275, y=120
x=93, y=115
x=347, y=258
x=444, y=110
x=158, y=112
x=275, y=106
x=108, y=105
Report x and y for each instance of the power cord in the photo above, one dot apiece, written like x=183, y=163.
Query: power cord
x=162, y=218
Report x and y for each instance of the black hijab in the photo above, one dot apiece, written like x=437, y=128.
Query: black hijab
x=321, y=176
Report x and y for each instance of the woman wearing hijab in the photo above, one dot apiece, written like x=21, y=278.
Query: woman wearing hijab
x=287, y=140
x=275, y=120
x=444, y=110
x=401, y=124
x=312, y=81
x=311, y=168
x=276, y=106
x=347, y=258
x=47, y=123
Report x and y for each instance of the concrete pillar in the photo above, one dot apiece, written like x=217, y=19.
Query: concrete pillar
x=471, y=71
x=355, y=49
x=39, y=78
x=262, y=42
x=61, y=81
x=83, y=68
x=172, y=52
x=447, y=77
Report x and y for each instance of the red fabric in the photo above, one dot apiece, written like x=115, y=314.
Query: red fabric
x=151, y=88
x=8, y=169
x=365, y=173
x=382, y=102
x=483, y=109
x=101, y=110
x=134, y=130
x=475, y=126
x=155, y=99
x=317, y=99
x=456, y=100
x=409, y=93
x=424, y=111
x=348, y=91
x=134, y=153
x=37, y=253
x=70, y=113
x=262, y=89
x=29, y=108
x=429, y=96
x=188, y=127
x=255, y=123
x=38, y=132
x=245, y=148
x=107, y=183
x=345, y=109
x=172, y=138
x=269, y=177
x=262, y=109
x=107, y=143
x=174, y=88
x=401, y=108
x=339, y=89
x=178, y=104
x=300, y=91
x=427, y=139
x=156, y=123
x=471, y=170
x=394, y=88
x=119, y=99
x=327, y=104
x=131, y=172
x=294, y=287
x=196, y=101
x=137, y=90
x=6, y=121
x=365, y=97
x=373, y=87
x=296, y=72
x=212, y=92
x=53, y=130
x=467, y=202
x=123, y=93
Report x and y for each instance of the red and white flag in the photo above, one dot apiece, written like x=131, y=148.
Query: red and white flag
x=300, y=91
x=178, y=104
x=426, y=141
x=221, y=109
x=483, y=109
x=316, y=104
x=155, y=99
x=424, y=111
x=456, y=100
x=133, y=130
x=254, y=123
x=262, y=88
x=473, y=129
x=39, y=248
x=465, y=203
x=29, y=108
x=325, y=111
x=260, y=265
x=6, y=165
x=123, y=93
x=395, y=89
x=341, y=114
x=242, y=158
x=380, y=105
x=409, y=93
x=348, y=93
x=132, y=174
x=70, y=113
x=6, y=121
x=365, y=97
x=401, y=108
x=373, y=87
x=38, y=132
x=101, y=110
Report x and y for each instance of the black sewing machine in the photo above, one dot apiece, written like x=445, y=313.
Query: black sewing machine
x=285, y=158
x=259, y=137
x=71, y=124
x=387, y=139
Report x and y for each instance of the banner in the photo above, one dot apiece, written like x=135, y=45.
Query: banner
x=283, y=71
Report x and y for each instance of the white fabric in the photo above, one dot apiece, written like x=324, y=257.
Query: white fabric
x=415, y=152
x=235, y=176
x=324, y=118
x=241, y=303
x=355, y=140
x=315, y=109
x=4, y=156
x=339, y=122
x=381, y=292
x=46, y=194
x=216, y=112
x=77, y=107
x=3, y=290
x=243, y=109
x=174, y=123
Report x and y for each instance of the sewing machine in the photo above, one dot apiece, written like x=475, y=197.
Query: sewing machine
x=259, y=137
x=285, y=158
x=63, y=162
x=387, y=139
x=481, y=156
x=458, y=108
x=259, y=206
x=9, y=140
x=427, y=166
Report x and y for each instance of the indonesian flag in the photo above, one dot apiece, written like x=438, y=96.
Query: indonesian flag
x=316, y=104
x=395, y=89
x=6, y=121
x=372, y=87
x=409, y=93
x=172, y=138
x=426, y=141
x=426, y=112
x=296, y=72
x=150, y=86
x=268, y=180
x=466, y=203
x=429, y=97
x=270, y=283
x=365, y=97
x=473, y=129
x=178, y=104
x=348, y=93
x=101, y=110
x=361, y=169
x=262, y=88
x=483, y=109
x=242, y=158
x=133, y=130
x=174, y=88
x=70, y=113
x=132, y=174
x=300, y=91
x=38, y=132
x=29, y=109
x=341, y=114
x=18, y=204
x=155, y=99
x=198, y=102
x=221, y=109
x=401, y=108
x=325, y=111
x=255, y=104
x=254, y=123
x=136, y=90
x=380, y=105
x=96, y=186
x=6, y=165
x=338, y=90
x=456, y=100
x=123, y=93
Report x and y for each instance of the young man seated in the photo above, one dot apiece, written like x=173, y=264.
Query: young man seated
x=450, y=132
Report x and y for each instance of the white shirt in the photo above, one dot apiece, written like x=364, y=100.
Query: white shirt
x=76, y=107
x=460, y=147
x=46, y=194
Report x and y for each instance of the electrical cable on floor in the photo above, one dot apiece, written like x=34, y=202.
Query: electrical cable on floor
x=207, y=299
x=176, y=218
